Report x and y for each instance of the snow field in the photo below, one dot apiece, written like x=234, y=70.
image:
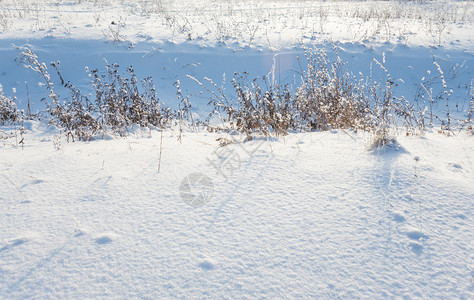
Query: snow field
x=306, y=215
x=313, y=215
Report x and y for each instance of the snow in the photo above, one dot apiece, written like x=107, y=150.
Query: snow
x=306, y=215
x=311, y=215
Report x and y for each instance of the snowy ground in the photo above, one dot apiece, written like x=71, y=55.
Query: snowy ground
x=258, y=23
x=311, y=215
x=315, y=215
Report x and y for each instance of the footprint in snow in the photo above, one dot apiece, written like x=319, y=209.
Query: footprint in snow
x=455, y=167
x=78, y=233
x=399, y=217
x=206, y=265
x=416, y=235
x=14, y=243
x=33, y=181
x=104, y=239
x=417, y=248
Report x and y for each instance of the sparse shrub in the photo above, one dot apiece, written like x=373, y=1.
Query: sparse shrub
x=11, y=115
x=9, y=112
x=119, y=103
x=379, y=140
x=468, y=123
x=328, y=97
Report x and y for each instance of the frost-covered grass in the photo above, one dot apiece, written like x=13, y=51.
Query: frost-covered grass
x=260, y=23
x=326, y=96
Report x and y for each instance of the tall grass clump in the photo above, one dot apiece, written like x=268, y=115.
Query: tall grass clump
x=119, y=102
x=9, y=112
x=11, y=116
x=327, y=97
x=324, y=96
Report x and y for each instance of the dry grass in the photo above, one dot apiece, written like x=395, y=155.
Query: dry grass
x=9, y=113
x=327, y=97
x=120, y=101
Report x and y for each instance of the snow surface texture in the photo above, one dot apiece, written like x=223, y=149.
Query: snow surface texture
x=311, y=215
x=260, y=23
x=315, y=215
